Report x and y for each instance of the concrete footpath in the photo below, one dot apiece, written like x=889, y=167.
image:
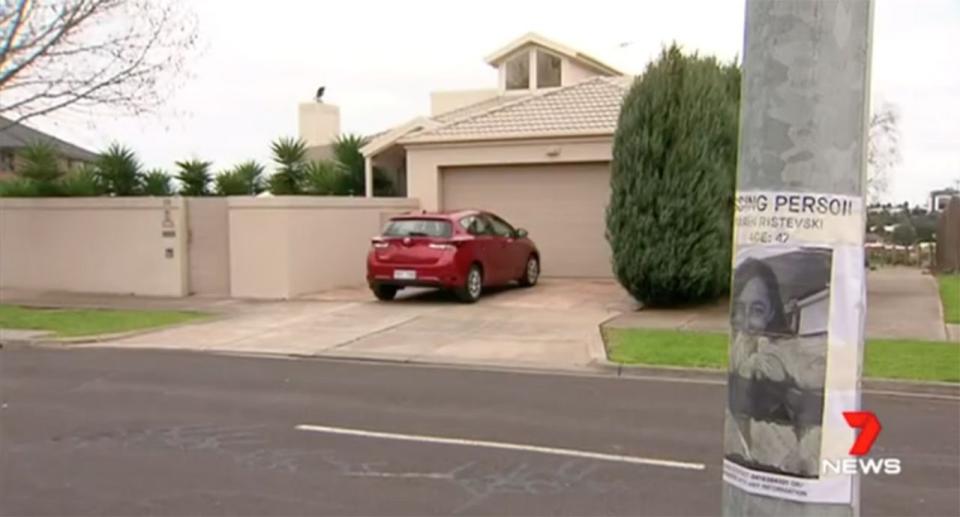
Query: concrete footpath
x=555, y=325
x=902, y=303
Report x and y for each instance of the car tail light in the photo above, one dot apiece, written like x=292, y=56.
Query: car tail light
x=442, y=246
x=379, y=244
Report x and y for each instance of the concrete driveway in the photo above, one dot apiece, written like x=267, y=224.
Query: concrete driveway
x=552, y=325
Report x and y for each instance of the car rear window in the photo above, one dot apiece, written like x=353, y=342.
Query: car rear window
x=418, y=228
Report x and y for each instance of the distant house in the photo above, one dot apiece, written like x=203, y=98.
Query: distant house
x=15, y=136
x=535, y=147
x=939, y=199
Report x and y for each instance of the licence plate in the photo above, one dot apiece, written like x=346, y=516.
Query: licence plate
x=404, y=274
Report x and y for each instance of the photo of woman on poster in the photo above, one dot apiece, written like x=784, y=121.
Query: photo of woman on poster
x=779, y=309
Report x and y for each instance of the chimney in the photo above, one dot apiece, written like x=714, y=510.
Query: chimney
x=319, y=123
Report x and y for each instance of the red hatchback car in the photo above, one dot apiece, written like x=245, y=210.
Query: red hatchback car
x=463, y=251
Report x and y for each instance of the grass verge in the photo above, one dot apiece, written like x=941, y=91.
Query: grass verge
x=88, y=322
x=950, y=296
x=883, y=359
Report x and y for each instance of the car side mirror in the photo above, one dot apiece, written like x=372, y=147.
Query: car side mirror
x=521, y=233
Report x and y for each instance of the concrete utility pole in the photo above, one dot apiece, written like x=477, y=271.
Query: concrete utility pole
x=803, y=138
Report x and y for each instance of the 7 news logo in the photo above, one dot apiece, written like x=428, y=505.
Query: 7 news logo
x=870, y=428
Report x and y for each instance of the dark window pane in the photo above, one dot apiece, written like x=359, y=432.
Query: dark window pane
x=518, y=72
x=418, y=228
x=475, y=225
x=548, y=70
x=500, y=227
x=6, y=162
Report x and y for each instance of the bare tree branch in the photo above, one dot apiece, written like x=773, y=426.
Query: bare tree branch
x=126, y=55
x=11, y=29
x=883, y=149
x=50, y=37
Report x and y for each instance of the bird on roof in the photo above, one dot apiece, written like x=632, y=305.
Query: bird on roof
x=319, y=96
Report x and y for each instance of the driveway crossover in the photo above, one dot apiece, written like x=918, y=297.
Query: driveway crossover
x=555, y=325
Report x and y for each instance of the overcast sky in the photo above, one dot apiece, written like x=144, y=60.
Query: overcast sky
x=380, y=60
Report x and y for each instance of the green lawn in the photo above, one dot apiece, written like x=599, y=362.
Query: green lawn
x=85, y=322
x=950, y=295
x=887, y=359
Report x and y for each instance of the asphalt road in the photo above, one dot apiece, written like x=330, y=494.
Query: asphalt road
x=114, y=432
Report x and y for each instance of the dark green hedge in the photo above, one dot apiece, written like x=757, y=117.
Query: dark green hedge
x=674, y=166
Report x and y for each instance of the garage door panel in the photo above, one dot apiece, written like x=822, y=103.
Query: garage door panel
x=562, y=206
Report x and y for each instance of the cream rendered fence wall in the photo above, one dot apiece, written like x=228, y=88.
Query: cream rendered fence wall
x=283, y=247
x=208, y=239
x=96, y=245
x=279, y=247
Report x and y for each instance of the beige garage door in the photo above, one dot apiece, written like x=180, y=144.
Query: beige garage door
x=562, y=206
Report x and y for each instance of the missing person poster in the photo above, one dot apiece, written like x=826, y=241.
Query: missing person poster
x=794, y=347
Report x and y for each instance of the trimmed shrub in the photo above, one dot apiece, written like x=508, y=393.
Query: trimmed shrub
x=669, y=221
x=19, y=187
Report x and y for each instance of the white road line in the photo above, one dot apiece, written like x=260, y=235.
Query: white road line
x=503, y=445
x=402, y=475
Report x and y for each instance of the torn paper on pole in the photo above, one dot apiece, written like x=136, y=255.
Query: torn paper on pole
x=796, y=338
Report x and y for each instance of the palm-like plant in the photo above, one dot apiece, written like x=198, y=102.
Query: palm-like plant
x=157, y=182
x=290, y=155
x=194, y=177
x=251, y=173
x=119, y=171
x=277, y=185
x=230, y=183
x=346, y=150
x=39, y=162
x=322, y=178
x=82, y=182
x=39, y=166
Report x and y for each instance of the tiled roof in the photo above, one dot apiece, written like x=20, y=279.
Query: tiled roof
x=588, y=107
x=477, y=107
x=15, y=136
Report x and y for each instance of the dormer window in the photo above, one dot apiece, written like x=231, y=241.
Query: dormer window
x=533, y=62
x=519, y=75
x=518, y=72
x=548, y=70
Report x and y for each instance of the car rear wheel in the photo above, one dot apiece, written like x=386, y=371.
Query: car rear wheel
x=385, y=292
x=531, y=273
x=472, y=286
